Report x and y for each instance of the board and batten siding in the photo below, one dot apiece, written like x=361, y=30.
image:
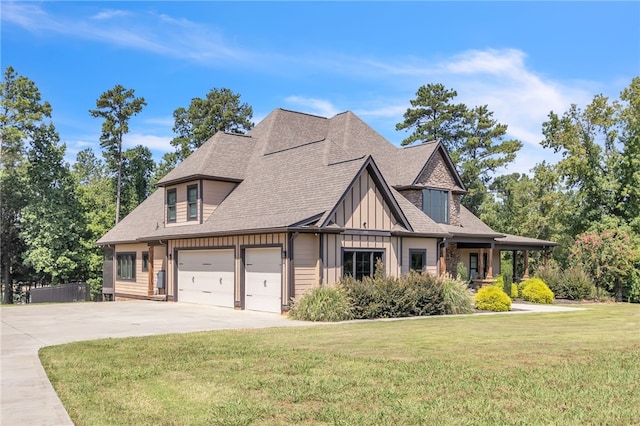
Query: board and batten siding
x=139, y=287
x=305, y=263
x=213, y=193
x=364, y=207
x=334, y=245
x=237, y=242
x=428, y=244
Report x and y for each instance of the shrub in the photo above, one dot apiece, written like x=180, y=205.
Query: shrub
x=322, y=304
x=455, y=296
x=425, y=292
x=577, y=284
x=536, y=291
x=553, y=277
x=506, y=270
x=499, y=282
x=491, y=298
x=378, y=297
x=462, y=272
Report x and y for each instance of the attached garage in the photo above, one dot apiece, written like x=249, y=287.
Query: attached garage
x=263, y=279
x=206, y=277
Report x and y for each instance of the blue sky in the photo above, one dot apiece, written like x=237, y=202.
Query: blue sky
x=522, y=59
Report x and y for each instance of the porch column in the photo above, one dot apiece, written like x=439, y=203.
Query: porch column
x=150, y=268
x=443, y=262
x=481, y=264
x=514, y=275
x=525, y=274
x=490, y=265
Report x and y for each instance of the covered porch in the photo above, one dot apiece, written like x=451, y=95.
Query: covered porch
x=481, y=257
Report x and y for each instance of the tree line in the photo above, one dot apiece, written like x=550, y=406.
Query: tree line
x=53, y=212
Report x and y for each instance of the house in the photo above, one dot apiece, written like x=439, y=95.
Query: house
x=251, y=221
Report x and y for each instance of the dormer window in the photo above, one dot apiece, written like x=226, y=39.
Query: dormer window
x=171, y=205
x=192, y=202
x=435, y=204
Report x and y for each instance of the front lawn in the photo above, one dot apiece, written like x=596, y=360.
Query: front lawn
x=574, y=368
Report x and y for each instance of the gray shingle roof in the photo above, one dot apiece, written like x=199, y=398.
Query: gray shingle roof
x=142, y=221
x=224, y=155
x=471, y=226
x=291, y=168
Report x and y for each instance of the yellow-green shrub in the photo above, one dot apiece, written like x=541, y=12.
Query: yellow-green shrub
x=536, y=291
x=499, y=282
x=492, y=298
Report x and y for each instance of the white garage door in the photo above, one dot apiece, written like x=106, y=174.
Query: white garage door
x=263, y=279
x=206, y=277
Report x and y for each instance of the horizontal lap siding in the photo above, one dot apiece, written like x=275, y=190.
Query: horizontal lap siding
x=428, y=244
x=140, y=286
x=214, y=192
x=305, y=263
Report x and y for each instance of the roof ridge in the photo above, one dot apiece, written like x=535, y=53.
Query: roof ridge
x=302, y=113
x=419, y=145
x=295, y=147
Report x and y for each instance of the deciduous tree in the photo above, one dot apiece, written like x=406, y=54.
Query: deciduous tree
x=52, y=221
x=22, y=110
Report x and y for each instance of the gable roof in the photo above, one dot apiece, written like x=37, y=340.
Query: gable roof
x=224, y=156
x=292, y=170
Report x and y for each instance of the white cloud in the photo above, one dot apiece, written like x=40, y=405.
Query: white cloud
x=154, y=143
x=161, y=34
x=110, y=13
x=160, y=121
x=315, y=106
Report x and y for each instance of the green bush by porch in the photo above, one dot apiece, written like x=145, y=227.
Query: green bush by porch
x=492, y=298
x=535, y=290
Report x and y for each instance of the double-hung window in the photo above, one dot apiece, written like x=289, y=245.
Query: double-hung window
x=171, y=205
x=435, y=204
x=126, y=266
x=360, y=263
x=192, y=202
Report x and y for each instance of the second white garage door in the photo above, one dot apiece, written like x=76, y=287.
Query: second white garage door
x=263, y=279
x=206, y=277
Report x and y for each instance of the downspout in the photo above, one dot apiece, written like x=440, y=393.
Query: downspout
x=166, y=274
x=321, y=259
x=290, y=257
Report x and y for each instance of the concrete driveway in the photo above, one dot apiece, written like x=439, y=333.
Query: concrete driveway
x=27, y=397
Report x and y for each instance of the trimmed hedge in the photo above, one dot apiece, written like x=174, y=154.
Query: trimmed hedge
x=536, y=291
x=492, y=298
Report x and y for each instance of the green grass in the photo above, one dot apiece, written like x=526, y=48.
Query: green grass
x=571, y=368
